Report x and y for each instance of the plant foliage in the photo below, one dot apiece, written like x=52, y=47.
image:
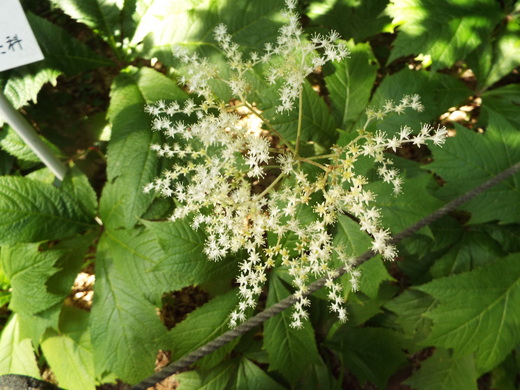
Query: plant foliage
x=446, y=309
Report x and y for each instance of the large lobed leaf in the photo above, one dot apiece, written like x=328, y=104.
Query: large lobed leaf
x=125, y=328
x=63, y=52
x=478, y=311
x=291, y=351
x=202, y=326
x=69, y=351
x=350, y=85
x=130, y=162
x=33, y=211
x=372, y=354
x=499, y=55
x=351, y=18
x=447, y=30
x=317, y=123
x=16, y=353
x=355, y=242
x=107, y=17
x=11, y=142
x=470, y=159
x=184, y=259
x=441, y=371
x=402, y=210
x=503, y=101
x=410, y=307
x=28, y=270
x=191, y=23
x=472, y=250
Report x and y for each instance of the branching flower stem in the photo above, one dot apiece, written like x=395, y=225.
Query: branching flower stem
x=310, y=161
x=271, y=186
x=300, y=118
x=271, y=128
x=219, y=159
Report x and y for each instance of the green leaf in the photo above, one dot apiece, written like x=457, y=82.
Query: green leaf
x=11, y=142
x=16, y=354
x=349, y=237
x=102, y=16
x=202, y=326
x=508, y=236
x=355, y=242
x=317, y=123
x=503, y=101
x=365, y=18
x=130, y=162
x=69, y=352
x=135, y=254
x=371, y=354
x=319, y=376
x=33, y=326
x=478, y=312
x=400, y=211
x=500, y=55
x=25, y=82
x=473, y=250
x=291, y=351
x=250, y=376
x=410, y=308
x=28, y=269
x=504, y=376
x=74, y=251
x=441, y=371
x=189, y=380
x=78, y=186
x=33, y=211
x=184, y=255
x=188, y=23
x=350, y=85
x=61, y=51
x=125, y=328
x=220, y=377
x=479, y=157
x=373, y=273
x=6, y=163
x=446, y=30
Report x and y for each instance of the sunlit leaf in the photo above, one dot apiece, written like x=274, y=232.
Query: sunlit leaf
x=131, y=164
x=446, y=30
x=350, y=85
x=16, y=354
x=69, y=352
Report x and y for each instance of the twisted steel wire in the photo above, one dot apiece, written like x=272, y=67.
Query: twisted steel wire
x=271, y=311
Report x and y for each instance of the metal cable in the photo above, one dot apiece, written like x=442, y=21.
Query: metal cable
x=258, y=319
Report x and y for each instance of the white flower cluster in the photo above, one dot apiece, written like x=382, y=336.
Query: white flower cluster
x=218, y=160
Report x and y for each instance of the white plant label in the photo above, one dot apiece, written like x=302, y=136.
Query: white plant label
x=18, y=45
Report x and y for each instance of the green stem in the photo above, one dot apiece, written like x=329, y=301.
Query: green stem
x=300, y=117
x=306, y=160
x=271, y=186
x=321, y=157
x=266, y=122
